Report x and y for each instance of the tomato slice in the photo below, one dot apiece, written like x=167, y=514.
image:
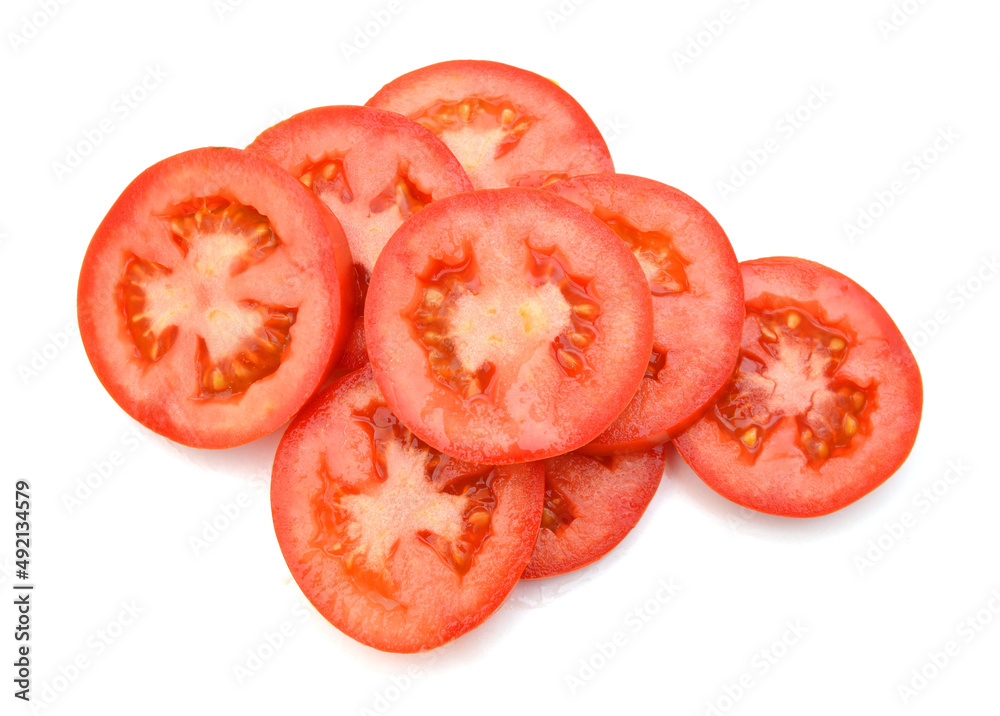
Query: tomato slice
x=214, y=297
x=507, y=325
x=591, y=503
x=397, y=545
x=373, y=169
x=697, y=303
x=507, y=126
x=825, y=403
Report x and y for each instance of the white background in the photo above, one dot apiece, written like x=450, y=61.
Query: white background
x=742, y=576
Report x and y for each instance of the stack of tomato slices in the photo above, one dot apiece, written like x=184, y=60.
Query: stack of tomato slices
x=483, y=338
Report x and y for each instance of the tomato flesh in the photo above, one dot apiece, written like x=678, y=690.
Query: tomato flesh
x=697, y=294
x=507, y=325
x=248, y=338
x=373, y=169
x=194, y=308
x=399, y=546
x=591, y=504
x=824, y=404
x=507, y=126
x=452, y=327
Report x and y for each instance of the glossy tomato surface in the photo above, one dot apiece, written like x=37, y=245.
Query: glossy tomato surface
x=398, y=546
x=697, y=294
x=214, y=296
x=591, y=503
x=507, y=126
x=825, y=403
x=507, y=325
x=374, y=169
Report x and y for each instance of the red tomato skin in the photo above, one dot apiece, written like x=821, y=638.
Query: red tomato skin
x=244, y=178
x=780, y=481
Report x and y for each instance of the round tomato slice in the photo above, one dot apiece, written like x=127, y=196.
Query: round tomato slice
x=508, y=126
x=824, y=404
x=373, y=169
x=591, y=503
x=697, y=303
x=214, y=297
x=398, y=546
x=507, y=325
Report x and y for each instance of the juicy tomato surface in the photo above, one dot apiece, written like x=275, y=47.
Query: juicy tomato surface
x=825, y=403
x=373, y=169
x=591, y=503
x=397, y=545
x=507, y=126
x=507, y=325
x=214, y=296
x=697, y=294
